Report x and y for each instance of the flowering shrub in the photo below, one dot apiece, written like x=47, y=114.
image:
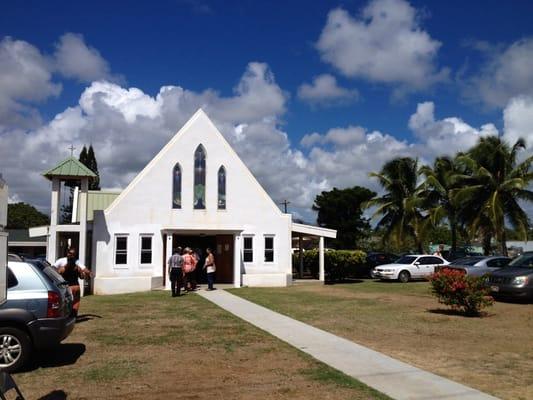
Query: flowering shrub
x=467, y=294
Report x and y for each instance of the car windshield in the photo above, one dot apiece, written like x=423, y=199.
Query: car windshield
x=523, y=261
x=467, y=261
x=405, y=260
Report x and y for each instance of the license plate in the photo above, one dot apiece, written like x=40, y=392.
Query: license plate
x=495, y=288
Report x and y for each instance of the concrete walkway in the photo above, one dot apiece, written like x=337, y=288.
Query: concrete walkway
x=385, y=374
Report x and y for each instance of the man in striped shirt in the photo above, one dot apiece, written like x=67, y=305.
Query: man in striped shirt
x=175, y=263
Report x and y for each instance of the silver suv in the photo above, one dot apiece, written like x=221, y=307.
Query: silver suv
x=36, y=314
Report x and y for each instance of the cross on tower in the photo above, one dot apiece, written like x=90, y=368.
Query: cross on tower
x=72, y=148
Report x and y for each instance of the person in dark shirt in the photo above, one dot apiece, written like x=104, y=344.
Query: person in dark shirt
x=72, y=270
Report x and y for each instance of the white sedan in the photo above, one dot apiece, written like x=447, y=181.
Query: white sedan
x=413, y=266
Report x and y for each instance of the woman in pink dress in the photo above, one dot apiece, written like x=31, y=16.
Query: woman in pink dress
x=189, y=265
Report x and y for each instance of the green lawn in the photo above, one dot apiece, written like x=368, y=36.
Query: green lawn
x=493, y=354
x=152, y=346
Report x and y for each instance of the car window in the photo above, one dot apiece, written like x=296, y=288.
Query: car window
x=498, y=263
x=406, y=260
x=467, y=261
x=11, y=279
x=430, y=260
x=54, y=275
x=525, y=260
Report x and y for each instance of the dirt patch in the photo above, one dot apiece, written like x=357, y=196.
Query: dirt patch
x=152, y=346
x=493, y=354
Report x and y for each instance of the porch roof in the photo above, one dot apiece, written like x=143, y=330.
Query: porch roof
x=313, y=230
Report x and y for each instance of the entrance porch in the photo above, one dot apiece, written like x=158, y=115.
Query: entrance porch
x=225, y=245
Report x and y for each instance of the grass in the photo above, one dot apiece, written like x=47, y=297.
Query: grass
x=150, y=345
x=493, y=354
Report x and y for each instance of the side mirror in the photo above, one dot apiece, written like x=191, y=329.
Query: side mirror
x=417, y=263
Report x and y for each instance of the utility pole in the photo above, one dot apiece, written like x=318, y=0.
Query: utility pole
x=285, y=204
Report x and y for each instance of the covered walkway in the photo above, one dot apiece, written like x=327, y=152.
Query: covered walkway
x=302, y=231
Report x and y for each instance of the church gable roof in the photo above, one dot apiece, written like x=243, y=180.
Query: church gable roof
x=70, y=168
x=199, y=117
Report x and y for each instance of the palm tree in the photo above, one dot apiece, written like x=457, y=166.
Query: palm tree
x=400, y=205
x=437, y=193
x=492, y=192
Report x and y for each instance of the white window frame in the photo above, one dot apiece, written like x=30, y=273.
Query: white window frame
x=151, y=236
x=273, y=249
x=244, y=237
x=117, y=236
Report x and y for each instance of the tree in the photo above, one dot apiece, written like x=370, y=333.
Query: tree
x=23, y=216
x=401, y=205
x=437, y=193
x=88, y=158
x=492, y=192
x=341, y=209
x=93, y=166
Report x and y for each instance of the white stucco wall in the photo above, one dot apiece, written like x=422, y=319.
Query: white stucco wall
x=145, y=207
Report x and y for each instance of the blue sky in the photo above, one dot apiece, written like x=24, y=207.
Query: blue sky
x=201, y=45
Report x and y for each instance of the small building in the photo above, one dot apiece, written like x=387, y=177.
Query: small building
x=21, y=243
x=196, y=192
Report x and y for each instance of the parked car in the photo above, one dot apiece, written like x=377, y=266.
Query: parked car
x=13, y=257
x=414, y=266
x=373, y=259
x=515, y=280
x=459, y=253
x=36, y=314
x=479, y=265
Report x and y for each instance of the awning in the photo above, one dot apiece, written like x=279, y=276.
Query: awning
x=314, y=230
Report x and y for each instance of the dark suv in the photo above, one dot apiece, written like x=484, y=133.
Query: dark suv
x=36, y=314
x=515, y=280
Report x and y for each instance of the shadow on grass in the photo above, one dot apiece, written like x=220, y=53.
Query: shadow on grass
x=64, y=354
x=86, y=317
x=512, y=300
x=55, y=395
x=456, y=313
x=344, y=281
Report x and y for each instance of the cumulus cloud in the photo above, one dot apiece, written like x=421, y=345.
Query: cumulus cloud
x=385, y=44
x=74, y=59
x=518, y=120
x=324, y=90
x=507, y=73
x=445, y=136
x=25, y=76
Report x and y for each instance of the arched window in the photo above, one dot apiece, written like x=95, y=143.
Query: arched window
x=199, y=178
x=176, y=186
x=222, y=188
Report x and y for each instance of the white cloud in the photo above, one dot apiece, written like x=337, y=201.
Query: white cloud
x=25, y=76
x=385, y=44
x=518, y=120
x=324, y=90
x=74, y=59
x=507, y=73
x=445, y=136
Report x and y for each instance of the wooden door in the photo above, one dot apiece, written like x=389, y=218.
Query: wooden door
x=224, y=259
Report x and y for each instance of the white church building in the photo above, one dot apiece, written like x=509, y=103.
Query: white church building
x=196, y=192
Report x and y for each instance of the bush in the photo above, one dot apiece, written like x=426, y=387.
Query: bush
x=338, y=264
x=466, y=294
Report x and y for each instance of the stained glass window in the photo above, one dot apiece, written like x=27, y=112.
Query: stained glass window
x=221, y=188
x=199, y=178
x=176, y=187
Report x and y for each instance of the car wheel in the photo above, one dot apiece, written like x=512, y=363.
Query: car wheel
x=404, y=276
x=15, y=348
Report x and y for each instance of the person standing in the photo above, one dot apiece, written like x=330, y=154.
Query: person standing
x=175, y=264
x=189, y=265
x=439, y=250
x=72, y=270
x=210, y=268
